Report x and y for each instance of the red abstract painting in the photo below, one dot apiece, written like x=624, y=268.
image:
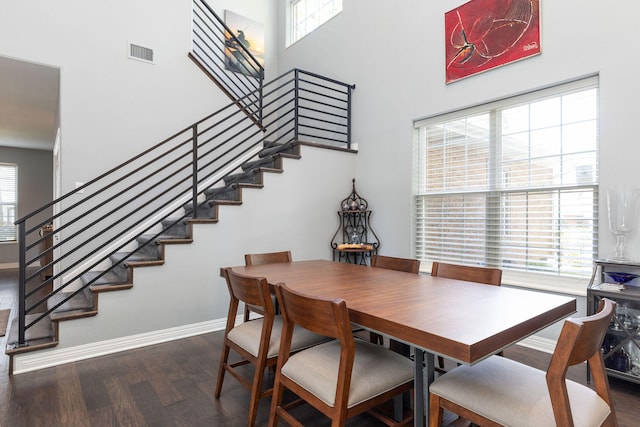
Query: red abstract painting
x=484, y=34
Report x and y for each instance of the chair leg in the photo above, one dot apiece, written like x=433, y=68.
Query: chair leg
x=221, y=368
x=435, y=411
x=276, y=400
x=246, y=313
x=256, y=392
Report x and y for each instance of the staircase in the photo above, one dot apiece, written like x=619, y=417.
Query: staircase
x=129, y=214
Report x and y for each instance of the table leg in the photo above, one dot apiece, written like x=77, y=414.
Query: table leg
x=418, y=388
x=421, y=406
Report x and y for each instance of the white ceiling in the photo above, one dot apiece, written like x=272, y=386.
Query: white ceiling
x=28, y=104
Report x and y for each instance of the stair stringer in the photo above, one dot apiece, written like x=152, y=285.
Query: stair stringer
x=296, y=210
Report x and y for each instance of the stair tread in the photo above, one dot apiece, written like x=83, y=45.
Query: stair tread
x=228, y=202
x=77, y=302
x=276, y=148
x=204, y=220
x=136, y=258
x=290, y=156
x=218, y=190
x=165, y=238
x=74, y=314
x=41, y=333
x=102, y=281
x=108, y=278
x=261, y=162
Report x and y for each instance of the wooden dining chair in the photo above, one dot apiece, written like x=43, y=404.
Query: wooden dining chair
x=261, y=259
x=334, y=377
x=256, y=342
x=500, y=391
x=484, y=275
x=408, y=265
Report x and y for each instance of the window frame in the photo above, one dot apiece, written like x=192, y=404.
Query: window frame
x=564, y=284
x=291, y=24
x=12, y=205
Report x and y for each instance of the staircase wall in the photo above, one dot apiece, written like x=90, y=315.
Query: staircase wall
x=296, y=210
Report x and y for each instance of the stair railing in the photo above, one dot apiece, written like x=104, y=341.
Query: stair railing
x=227, y=60
x=99, y=225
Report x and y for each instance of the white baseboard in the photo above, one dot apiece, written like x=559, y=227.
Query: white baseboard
x=9, y=265
x=27, y=362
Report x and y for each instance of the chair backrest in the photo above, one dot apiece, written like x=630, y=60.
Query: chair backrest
x=392, y=263
x=486, y=275
x=267, y=258
x=580, y=340
x=249, y=290
x=328, y=317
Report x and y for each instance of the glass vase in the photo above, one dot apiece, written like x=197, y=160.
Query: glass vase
x=622, y=206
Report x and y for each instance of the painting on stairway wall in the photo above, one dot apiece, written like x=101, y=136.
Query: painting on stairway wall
x=484, y=34
x=250, y=34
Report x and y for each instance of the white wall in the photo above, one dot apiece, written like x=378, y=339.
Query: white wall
x=394, y=53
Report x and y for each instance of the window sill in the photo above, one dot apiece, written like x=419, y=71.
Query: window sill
x=540, y=282
x=543, y=282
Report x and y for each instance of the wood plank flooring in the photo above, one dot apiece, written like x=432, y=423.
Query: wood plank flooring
x=172, y=384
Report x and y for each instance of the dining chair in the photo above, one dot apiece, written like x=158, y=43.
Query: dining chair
x=334, y=377
x=256, y=342
x=484, y=275
x=500, y=391
x=408, y=265
x=261, y=259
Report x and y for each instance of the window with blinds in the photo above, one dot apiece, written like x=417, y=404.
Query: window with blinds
x=8, y=201
x=512, y=184
x=307, y=15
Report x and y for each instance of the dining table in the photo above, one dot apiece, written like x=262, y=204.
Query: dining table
x=459, y=320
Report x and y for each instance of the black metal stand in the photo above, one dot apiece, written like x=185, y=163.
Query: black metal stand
x=354, y=241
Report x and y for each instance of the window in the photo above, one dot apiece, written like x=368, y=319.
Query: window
x=512, y=184
x=307, y=15
x=8, y=201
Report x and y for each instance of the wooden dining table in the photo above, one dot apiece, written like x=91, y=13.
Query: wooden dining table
x=460, y=320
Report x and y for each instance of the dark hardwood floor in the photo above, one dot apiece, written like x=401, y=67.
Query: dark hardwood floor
x=172, y=384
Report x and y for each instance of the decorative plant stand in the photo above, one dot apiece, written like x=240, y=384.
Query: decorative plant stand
x=354, y=241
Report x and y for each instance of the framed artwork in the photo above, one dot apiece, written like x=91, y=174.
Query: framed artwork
x=251, y=35
x=484, y=34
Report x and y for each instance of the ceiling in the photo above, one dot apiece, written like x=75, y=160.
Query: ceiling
x=28, y=104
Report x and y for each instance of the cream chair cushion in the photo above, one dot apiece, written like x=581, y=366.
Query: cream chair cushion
x=247, y=335
x=375, y=370
x=513, y=394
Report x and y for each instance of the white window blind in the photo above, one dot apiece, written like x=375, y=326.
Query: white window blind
x=307, y=15
x=512, y=184
x=8, y=201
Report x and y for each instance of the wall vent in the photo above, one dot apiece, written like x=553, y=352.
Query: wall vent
x=140, y=52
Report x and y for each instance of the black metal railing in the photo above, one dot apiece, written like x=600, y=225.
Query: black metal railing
x=98, y=225
x=233, y=67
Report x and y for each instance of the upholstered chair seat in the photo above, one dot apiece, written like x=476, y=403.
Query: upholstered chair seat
x=247, y=335
x=512, y=394
x=376, y=370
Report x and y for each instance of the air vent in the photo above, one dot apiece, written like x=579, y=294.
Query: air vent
x=140, y=52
